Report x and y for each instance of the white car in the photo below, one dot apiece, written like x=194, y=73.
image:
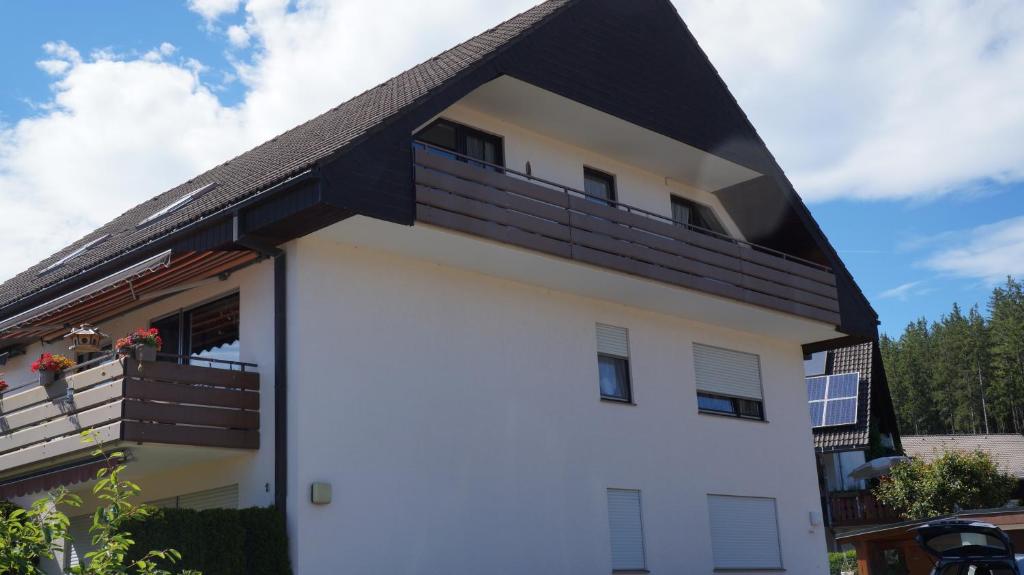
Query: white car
x=969, y=548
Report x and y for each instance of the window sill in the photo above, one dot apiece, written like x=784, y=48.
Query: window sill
x=629, y=571
x=620, y=402
x=726, y=415
x=754, y=570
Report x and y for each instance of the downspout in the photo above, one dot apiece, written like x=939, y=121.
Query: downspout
x=271, y=251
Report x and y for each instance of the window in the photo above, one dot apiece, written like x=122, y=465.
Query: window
x=625, y=525
x=599, y=186
x=178, y=203
x=463, y=140
x=744, y=532
x=728, y=382
x=689, y=212
x=613, y=363
x=74, y=254
x=209, y=331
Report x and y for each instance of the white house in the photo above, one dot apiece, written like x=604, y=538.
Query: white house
x=537, y=305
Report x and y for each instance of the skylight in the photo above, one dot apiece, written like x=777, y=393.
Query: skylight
x=74, y=254
x=178, y=203
x=833, y=399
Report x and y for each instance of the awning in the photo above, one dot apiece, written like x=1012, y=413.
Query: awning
x=48, y=479
x=153, y=277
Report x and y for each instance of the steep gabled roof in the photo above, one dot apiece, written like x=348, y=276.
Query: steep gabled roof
x=276, y=160
x=647, y=69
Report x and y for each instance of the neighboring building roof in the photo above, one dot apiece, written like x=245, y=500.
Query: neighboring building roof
x=276, y=160
x=1006, y=450
x=855, y=358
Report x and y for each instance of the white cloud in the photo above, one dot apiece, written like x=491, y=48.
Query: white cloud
x=903, y=292
x=212, y=9
x=238, y=36
x=876, y=99
x=989, y=253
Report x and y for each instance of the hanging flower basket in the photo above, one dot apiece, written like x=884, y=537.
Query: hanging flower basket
x=142, y=344
x=49, y=366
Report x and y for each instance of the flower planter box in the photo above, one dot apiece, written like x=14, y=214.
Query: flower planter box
x=144, y=353
x=46, y=378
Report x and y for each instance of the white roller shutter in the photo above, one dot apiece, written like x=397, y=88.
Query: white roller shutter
x=219, y=498
x=727, y=372
x=625, y=523
x=612, y=340
x=80, y=543
x=744, y=532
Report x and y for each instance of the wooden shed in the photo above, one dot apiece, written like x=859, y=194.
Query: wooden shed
x=892, y=549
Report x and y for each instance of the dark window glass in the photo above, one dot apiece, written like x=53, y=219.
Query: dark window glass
x=599, y=186
x=463, y=140
x=734, y=406
x=614, y=376
x=210, y=331
x=686, y=211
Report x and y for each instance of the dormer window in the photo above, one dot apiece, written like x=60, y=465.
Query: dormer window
x=177, y=204
x=469, y=142
x=77, y=252
x=689, y=212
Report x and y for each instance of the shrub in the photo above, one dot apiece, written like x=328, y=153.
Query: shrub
x=957, y=479
x=842, y=561
x=249, y=541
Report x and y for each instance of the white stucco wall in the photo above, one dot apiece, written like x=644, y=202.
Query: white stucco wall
x=197, y=469
x=457, y=417
x=563, y=163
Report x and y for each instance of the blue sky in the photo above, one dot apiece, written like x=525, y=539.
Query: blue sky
x=901, y=124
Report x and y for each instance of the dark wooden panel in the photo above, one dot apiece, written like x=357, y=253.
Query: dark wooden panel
x=484, y=211
x=191, y=415
x=441, y=181
x=491, y=178
x=166, y=371
x=182, y=393
x=490, y=230
x=185, y=435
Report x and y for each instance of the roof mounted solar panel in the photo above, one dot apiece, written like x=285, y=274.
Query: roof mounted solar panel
x=832, y=399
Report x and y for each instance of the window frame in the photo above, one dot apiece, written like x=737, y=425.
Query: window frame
x=461, y=133
x=628, y=400
x=735, y=401
x=609, y=178
x=182, y=313
x=695, y=209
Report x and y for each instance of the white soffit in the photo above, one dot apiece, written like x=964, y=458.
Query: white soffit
x=563, y=119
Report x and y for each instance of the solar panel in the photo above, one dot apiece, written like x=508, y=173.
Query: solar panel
x=832, y=399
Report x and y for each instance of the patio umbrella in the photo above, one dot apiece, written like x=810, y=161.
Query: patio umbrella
x=876, y=467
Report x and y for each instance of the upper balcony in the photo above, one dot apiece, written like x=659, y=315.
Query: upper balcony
x=496, y=203
x=123, y=400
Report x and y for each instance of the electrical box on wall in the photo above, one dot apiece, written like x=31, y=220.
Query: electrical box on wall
x=320, y=493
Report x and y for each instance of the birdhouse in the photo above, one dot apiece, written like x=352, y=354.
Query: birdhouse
x=85, y=339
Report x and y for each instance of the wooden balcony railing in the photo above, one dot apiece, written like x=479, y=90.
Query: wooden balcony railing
x=854, y=508
x=507, y=206
x=127, y=400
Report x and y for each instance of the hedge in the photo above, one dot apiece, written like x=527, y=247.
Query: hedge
x=249, y=541
x=842, y=561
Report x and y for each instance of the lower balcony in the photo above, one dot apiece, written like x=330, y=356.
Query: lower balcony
x=127, y=403
x=858, y=508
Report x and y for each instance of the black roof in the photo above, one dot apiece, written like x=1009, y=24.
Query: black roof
x=275, y=160
x=361, y=156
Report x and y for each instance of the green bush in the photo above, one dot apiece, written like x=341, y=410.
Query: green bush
x=249, y=541
x=842, y=561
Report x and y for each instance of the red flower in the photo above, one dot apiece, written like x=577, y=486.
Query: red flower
x=140, y=336
x=3, y=385
x=52, y=362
